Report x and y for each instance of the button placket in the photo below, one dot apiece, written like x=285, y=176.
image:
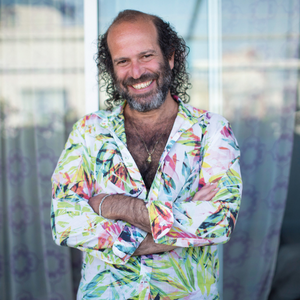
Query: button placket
x=145, y=272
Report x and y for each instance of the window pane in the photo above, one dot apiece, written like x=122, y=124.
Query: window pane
x=41, y=96
x=260, y=86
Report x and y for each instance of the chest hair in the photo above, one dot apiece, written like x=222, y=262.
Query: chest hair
x=136, y=137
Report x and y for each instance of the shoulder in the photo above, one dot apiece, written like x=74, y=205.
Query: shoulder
x=206, y=118
x=93, y=122
x=89, y=120
x=211, y=126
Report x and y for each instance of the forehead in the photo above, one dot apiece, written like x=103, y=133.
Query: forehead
x=129, y=38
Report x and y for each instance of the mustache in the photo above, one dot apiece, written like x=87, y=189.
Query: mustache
x=143, y=78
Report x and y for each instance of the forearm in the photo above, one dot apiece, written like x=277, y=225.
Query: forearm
x=120, y=207
x=148, y=246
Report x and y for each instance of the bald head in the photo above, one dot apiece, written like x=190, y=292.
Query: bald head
x=131, y=16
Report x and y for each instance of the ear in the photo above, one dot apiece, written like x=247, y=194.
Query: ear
x=171, y=60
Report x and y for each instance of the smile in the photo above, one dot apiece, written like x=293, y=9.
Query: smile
x=142, y=85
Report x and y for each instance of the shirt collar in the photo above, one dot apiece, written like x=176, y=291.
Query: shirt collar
x=114, y=120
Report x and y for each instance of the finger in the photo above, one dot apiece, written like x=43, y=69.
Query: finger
x=207, y=194
x=211, y=195
x=206, y=189
x=208, y=184
x=207, y=197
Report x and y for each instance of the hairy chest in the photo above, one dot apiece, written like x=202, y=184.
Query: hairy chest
x=146, y=151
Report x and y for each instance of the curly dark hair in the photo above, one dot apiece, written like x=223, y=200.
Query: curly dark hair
x=169, y=42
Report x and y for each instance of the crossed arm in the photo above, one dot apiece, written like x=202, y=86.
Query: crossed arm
x=134, y=211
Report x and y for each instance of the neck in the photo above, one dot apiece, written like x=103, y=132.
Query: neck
x=166, y=111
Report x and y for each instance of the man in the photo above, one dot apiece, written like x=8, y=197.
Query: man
x=147, y=189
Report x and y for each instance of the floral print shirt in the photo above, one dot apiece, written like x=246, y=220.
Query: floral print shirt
x=201, y=148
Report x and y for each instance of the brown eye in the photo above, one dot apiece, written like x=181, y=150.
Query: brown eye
x=121, y=62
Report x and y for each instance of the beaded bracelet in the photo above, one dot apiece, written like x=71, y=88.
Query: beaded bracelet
x=100, y=213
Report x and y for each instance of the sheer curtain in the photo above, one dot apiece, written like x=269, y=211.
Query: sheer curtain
x=260, y=82
x=41, y=95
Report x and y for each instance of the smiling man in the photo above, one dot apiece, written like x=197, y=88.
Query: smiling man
x=149, y=187
x=143, y=75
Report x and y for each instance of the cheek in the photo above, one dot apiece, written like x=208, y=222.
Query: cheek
x=156, y=66
x=117, y=77
x=120, y=75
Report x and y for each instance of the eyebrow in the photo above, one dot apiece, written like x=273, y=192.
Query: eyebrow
x=141, y=53
x=148, y=51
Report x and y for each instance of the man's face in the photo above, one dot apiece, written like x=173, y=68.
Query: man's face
x=142, y=75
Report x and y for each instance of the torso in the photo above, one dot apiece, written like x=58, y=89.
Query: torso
x=150, y=136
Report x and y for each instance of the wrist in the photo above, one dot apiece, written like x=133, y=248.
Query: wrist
x=100, y=205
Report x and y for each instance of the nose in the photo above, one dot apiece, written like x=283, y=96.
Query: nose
x=136, y=69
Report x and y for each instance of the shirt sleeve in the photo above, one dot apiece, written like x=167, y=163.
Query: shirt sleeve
x=190, y=223
x=74, y=223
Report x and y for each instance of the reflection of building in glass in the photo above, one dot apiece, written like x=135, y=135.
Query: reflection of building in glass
x=245, y=73
x=41, y=96
x=41, y=63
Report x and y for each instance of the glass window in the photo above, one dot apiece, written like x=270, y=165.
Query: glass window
x=260, y=42
x=41, y=96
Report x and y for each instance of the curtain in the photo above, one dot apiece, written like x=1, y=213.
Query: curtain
x=41, y=95
x=260, y=81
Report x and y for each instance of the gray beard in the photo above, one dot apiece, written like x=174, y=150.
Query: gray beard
x=142, y=105
x=152, y=100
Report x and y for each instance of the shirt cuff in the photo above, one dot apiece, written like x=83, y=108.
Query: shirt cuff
x=128, y=241
x=161, y=218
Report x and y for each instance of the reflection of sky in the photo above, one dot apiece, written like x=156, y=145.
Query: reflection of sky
x=261, y=25
x=258, y=17
x=177, y=12
x=246, y=25
x=71, y=10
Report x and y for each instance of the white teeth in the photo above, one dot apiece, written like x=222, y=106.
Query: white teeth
x=142, y=85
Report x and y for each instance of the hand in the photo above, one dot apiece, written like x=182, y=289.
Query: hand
x=148, y=246
x=207, y=193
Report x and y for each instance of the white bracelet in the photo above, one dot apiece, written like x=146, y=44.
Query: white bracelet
x=100, y=213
